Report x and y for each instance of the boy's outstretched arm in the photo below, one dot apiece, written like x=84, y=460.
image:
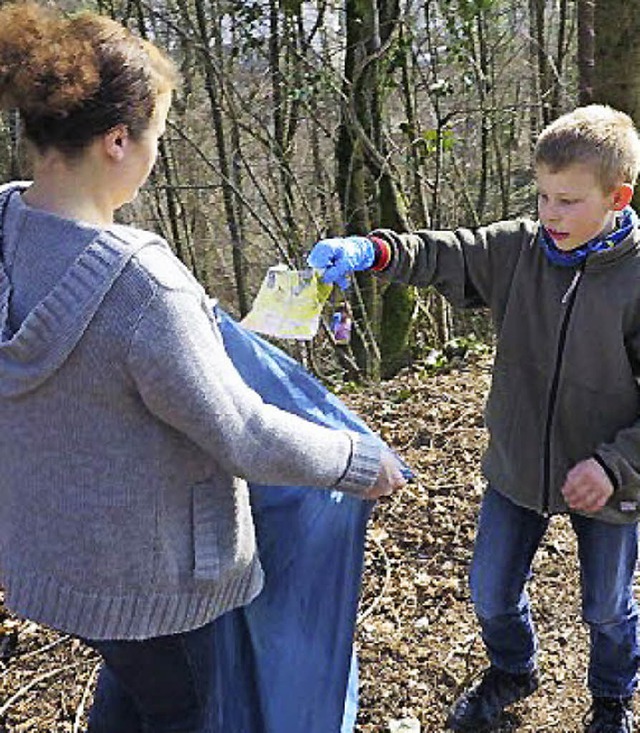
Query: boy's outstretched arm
x=468, y=267
x=587, y=487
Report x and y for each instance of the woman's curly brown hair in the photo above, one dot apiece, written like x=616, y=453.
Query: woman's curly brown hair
x=75, y=77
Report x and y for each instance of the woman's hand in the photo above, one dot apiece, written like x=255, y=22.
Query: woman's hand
x=390, y=477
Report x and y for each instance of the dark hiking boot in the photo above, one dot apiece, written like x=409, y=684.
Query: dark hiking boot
x=610, y=715
x=479, y=708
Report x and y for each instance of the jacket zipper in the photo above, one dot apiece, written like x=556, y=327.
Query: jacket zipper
x=568, y=299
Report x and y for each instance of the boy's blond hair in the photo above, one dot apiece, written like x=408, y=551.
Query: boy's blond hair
x=596, y=135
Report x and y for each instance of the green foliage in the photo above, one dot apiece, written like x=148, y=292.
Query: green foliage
x=249, y=13
x=434, y=139
x=461, y=21
x=313, y=85
x=346, y=387
x=249, y=21
x=461, y=13
x=455, y=350
x=396, y=56
x=291, y=7
x=402, y=395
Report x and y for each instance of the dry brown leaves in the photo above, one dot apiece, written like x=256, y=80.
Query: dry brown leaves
x=420, y=646
x=417, y=639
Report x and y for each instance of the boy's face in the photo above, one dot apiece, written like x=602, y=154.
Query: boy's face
x=572, y=206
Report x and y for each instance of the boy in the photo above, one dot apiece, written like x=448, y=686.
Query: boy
x=564, y=407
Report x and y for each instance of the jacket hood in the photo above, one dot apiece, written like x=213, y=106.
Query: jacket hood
x=50, y=331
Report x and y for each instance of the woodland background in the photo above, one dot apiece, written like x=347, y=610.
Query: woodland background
x=298, y=120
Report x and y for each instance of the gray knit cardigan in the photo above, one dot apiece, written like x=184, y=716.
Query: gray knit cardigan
x=126, y=436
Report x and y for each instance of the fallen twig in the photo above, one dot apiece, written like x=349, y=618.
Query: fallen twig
x=35, y=681
x=385, y=583
x=85, y=695
x=35, y=652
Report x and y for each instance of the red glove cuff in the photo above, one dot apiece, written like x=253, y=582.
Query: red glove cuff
x=382, y=258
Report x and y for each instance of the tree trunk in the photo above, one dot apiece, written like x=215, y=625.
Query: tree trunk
x=398, y=301
x=561, y=53
x=544, y=82
x=617, y=55
x=352, y=174
x=368, y=189
x=228, y=193
x=586, y=50
x=180, y=235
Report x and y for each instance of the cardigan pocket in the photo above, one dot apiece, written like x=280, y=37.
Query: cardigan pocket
x=206, y=526
x=223, y=532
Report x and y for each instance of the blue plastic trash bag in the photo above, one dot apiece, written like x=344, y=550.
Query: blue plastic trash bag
x=286, y=662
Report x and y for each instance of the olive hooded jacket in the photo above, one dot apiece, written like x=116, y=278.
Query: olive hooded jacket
x=565, y=378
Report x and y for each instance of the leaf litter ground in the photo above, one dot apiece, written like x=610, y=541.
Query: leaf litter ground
x=417, y=640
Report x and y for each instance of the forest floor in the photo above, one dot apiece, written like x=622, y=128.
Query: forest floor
x=417, y=640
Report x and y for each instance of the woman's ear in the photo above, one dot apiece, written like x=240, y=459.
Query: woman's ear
x=115, y=142
x=622, y=196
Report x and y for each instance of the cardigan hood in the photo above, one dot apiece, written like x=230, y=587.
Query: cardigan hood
x=130, y=437
x=33, y=349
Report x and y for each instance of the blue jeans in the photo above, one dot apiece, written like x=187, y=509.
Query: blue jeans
x=508, y=537
x=160, y=685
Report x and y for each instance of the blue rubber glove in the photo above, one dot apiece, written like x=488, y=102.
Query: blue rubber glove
x=340, y=256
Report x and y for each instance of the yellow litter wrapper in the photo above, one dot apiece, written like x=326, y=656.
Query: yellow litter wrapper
x=288, y=304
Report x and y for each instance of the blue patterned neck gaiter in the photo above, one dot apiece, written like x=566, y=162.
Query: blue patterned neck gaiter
x=626, y=220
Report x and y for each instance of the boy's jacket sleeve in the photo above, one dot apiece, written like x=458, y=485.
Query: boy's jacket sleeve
x=622, y=457
x=470, y=268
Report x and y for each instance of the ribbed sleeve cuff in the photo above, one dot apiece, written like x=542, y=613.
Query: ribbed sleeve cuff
x=383, y=254
x=607, y=469
x=364, y=465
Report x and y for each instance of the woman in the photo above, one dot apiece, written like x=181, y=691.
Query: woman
x=124, y=424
